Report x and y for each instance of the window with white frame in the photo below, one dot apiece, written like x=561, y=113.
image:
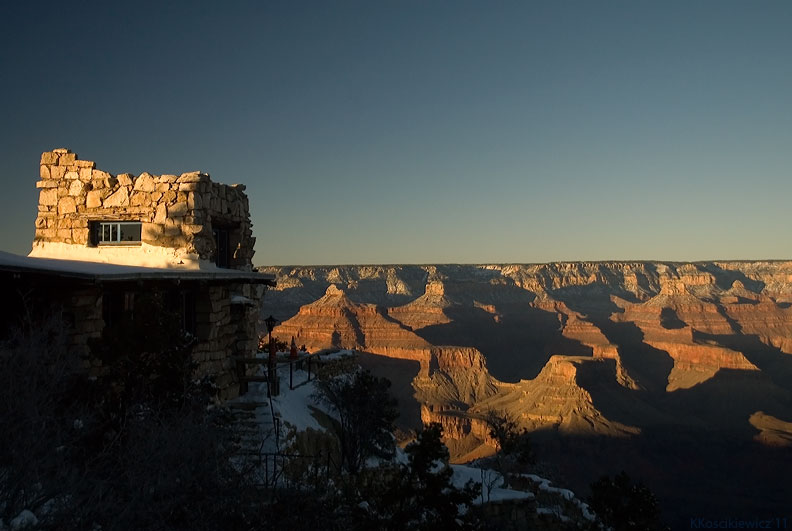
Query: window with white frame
x=109, y=232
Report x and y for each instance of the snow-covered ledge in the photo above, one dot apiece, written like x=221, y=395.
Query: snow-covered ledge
x=140, y=254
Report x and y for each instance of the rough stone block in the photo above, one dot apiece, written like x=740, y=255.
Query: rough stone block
x=194, y=200
x=118, y=199
x=61, y=150
x=45, y=234
x=193, y=177
x=49, y=157
x=125, y=179
x=178, y=210
x=86, y=174
x=192, y=229
x=47, y=184
x=188, y=187
x=76, y=188
x=64, y=235
x=145, y=183
x=48, y=197
x=140, y=199
x=161, y=214
x=168, y=178
x=94, y=199
x=65, y=159
x=57, y=172
x=99, y=174
x=66, y=205
x=80, y=236
x=85, y=164
x=163, y=187
x=72, y=175
x=152, y=231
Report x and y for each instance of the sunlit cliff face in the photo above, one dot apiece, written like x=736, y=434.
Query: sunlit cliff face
x=579, y=348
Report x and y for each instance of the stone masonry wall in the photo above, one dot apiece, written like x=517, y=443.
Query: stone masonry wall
x=226, y=331
x=176, y=211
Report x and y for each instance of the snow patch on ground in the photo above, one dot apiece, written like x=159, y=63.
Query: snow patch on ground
x=491, y=484
x=545, y=485
x=294, y=406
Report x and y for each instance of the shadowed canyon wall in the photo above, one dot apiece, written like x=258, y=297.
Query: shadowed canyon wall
x=611, y=365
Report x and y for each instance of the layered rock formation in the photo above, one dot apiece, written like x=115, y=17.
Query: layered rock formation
x=529, y=339
x=668, y=370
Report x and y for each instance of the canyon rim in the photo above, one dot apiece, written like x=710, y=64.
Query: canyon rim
x=677, y=372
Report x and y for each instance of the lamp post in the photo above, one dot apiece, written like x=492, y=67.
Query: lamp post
x=272, y=364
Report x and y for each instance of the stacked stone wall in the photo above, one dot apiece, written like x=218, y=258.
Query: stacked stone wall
x=226, y=330
x=176, y=211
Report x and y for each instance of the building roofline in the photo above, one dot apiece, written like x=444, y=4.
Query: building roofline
x=96, y=272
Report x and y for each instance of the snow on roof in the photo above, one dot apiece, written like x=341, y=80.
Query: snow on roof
x=97, y=272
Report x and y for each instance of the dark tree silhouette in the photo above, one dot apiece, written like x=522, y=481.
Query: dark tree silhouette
x=420, y=494
x=623, y=505
x=365, y=415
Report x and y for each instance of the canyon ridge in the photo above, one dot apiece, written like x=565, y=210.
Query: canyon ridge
x=679, y=373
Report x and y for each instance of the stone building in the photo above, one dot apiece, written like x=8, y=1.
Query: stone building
x=102, y=239
x=151, y=220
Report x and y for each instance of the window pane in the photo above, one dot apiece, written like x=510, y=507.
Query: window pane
x=114, y=232
x=130, y=232
x=105, y=232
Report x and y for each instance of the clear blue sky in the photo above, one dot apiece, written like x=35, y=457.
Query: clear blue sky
x=425, y=132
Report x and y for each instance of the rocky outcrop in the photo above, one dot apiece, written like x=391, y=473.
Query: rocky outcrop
x=426, y=310
x=593, y=347
x=772, y=431
x=336, y=321
x=556, y=400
